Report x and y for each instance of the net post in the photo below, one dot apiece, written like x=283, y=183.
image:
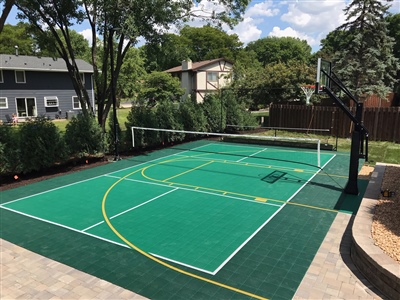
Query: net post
x=319, y=153
x=133, y=138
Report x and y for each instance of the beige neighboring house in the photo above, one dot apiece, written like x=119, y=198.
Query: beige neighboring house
x=203, y=77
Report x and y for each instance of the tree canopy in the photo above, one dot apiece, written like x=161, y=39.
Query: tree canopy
x=120, y=24
x=195, y=43
x=280, y=49
x=366, y=64
x=208, y=43
x=18, y=35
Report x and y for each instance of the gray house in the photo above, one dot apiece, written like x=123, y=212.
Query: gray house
x=33, y=86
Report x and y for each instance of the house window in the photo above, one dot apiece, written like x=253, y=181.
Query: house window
x=26, y=107
x=51, y=101
x=212, y=76
x=3, y=103
x=20, y=77
x=1, y=76
x=76, y=104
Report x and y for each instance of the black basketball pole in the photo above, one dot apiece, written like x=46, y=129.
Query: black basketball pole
x=356, y=140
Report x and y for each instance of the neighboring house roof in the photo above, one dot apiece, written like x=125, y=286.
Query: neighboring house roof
x=35, y=63
x=198, y=65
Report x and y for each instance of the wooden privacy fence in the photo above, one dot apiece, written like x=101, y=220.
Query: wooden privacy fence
x=382, y=123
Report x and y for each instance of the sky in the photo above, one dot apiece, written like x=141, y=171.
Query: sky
x=309, y=20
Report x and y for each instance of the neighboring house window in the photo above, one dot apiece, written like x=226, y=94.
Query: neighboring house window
x=75, y=103
x=20, y=76
x=26, y=107
x=212, y=76
x=1, y=76
x=51, y=101
x=3, y=103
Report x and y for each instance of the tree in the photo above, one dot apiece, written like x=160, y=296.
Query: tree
x=393, y=25
x=160, y=86
x=166, y=52
x=8, y=4
x=209, y=43
x=280, y=49
x=366, y=64
x=334, y=42
x=120, y=23
x=78, y=42
x=132, y=70
x=277, y=82
x=18, y=35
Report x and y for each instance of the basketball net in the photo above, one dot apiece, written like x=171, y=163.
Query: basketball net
x=308, y=91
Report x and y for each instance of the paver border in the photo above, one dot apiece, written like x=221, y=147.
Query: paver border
x=381, y=270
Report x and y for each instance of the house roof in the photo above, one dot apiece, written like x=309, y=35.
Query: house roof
x=35, y=63
x=198, y=65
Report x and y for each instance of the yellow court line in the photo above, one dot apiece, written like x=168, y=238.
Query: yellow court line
x=107, y=220
x=188, y=171
x=223, y=192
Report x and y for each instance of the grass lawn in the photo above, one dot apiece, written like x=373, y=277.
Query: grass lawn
x=122, y=115
x=385, y=152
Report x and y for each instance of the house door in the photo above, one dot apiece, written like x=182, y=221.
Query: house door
x=26, y=107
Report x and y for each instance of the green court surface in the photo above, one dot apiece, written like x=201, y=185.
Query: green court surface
x=198, y=220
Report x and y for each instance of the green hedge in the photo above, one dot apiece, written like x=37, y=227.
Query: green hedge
x=39, y=145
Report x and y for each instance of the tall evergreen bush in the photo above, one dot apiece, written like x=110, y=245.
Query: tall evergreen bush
x=142, y=116
x=167, y=116
x=9, y=150
x=84, y=136
x=215, y=113
x=192, y=115
x=40, y=144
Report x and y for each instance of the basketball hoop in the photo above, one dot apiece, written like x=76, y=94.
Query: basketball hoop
x=308, y=90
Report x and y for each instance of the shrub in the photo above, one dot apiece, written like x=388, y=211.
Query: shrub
x=167, y=116
x=9, y=150
x=236, y=113
x=40, y=145
x=84, y=136
x=214, y=113
x=141, y=116
x=192, y=115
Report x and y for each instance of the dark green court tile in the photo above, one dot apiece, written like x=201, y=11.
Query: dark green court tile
x=284, y=293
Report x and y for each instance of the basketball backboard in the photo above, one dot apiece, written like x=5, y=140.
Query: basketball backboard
x=324, y=71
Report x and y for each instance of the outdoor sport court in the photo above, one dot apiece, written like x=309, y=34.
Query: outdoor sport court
x=205, y=219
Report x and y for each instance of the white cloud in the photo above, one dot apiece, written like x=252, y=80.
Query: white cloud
x=87, y=34
x=263, y=9
x=318, y=17
x=247, y=31
x=290, y=32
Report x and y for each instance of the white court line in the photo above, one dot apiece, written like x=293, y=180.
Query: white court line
x=64, y=226
x=132, y=208
x=199, y=191
x=96, y=177
x=251, y=155
x=269, y=219
x=183, y=264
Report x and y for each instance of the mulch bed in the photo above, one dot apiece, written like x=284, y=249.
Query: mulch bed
x=386, y=224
